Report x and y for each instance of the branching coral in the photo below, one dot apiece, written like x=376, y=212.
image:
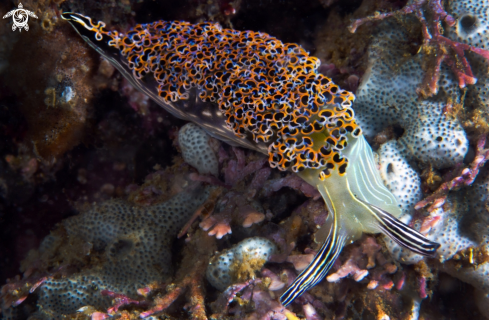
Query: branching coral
x=436, y=46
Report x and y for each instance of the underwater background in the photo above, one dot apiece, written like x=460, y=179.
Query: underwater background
x=112, y=207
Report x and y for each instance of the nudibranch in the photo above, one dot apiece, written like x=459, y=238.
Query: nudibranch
x=250, y=89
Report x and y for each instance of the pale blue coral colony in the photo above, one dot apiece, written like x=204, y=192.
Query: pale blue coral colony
x=387, y=96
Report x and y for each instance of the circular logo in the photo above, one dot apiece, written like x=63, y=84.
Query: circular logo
x=20, y=18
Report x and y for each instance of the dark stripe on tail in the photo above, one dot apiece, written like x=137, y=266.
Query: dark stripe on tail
x=402, y=234
x=317, y=269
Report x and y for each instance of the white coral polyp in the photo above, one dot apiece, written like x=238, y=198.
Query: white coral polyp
x=196, y=151
x=220, y=271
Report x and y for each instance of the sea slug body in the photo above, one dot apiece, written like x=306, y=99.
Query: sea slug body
x=250, y=89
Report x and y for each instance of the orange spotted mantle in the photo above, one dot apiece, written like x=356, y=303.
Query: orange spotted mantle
x=268, y=91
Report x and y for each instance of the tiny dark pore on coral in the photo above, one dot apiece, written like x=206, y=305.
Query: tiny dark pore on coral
x=468, y=23
x=390, y=168
x=398, y=130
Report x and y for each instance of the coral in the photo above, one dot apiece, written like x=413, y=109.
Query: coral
x=196, y=150
x=129, y=248
x=457, y=223
x=471, y=263
x=234, y=207
x=464, y=177
x=151, y=300
x=204, y=210
x=398, y=176
x=473, y=273
x=441, y=223
x=448, y=215
x=375, y=270
x=290, y=116
x=470, y=28
x=429, y=135
x=15, y=292
x=159, y=186
x=377, y=281
x=471, y=22
x=240, y=262
x=350, y=267
x=436, y=47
